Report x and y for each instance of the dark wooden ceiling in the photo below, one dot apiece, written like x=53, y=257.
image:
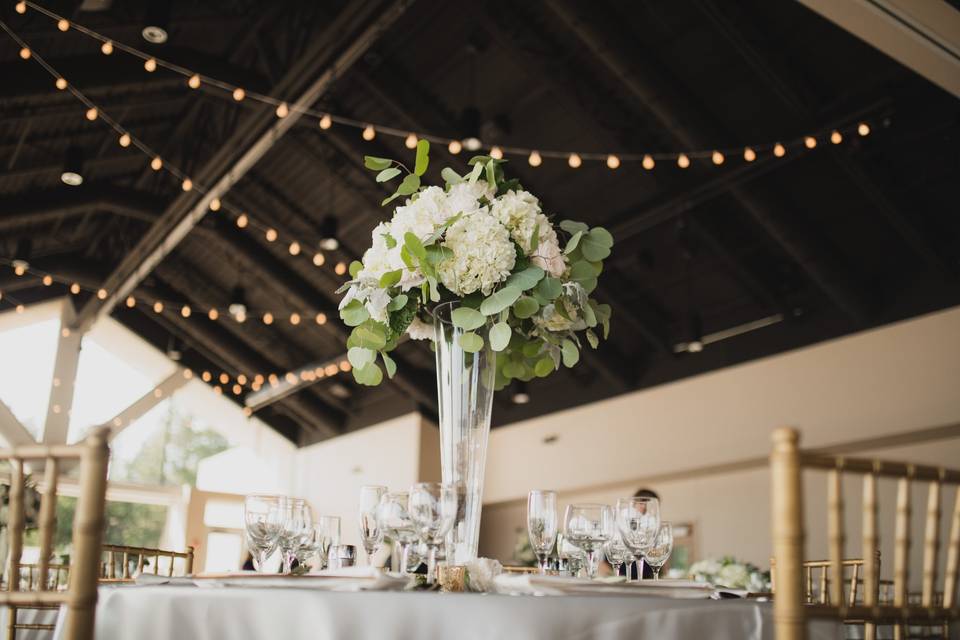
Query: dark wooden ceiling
x=835, y=240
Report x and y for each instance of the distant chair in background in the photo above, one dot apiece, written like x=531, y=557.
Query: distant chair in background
x=791, y=611
x=817, y=579
x=80, y=595
x=123, y=564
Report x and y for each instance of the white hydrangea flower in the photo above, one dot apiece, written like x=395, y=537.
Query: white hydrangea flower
x=518, y=211
x=380, y=259
x=481, y=573
x=465, y=197
x=376, y=304
x=482, y=254
x=547, y=255
x=421, y=216
x=420, y=330
x=734, y=576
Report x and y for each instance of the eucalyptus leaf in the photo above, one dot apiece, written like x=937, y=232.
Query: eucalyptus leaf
x=572, y=226
x=544, y=367
x=549, y=288
x=513, y=370
x=369, y=375
x=471, y=342
x=390, y=278
x=450, y=176
x=389, y=364
x=584, y=274
x=388, y=174
x=409, y=185
x=360, y=357
x=467, y=319
x=354, y=313
x=413, y=245
x=389, y=240
x=535, y=239
x=589, y=316
x=531, y=349
x=526, y=279
x=475, y=174
x=500, y=300
x=407, y=258
x=423, y=158
x=398, y=302
x=390, y=199
x=571, y=355
x=491, y=170
x=573, y=242
x=594, y=244
x=375, y=163
x=370, y=334
x=500, y=336
x=525, y=307
x=592, y=339
x=355, y=268
x=434, y=289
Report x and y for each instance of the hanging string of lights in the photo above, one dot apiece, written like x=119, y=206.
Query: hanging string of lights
x=368, y=130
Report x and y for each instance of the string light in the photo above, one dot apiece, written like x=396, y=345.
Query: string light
x=242, y=220
x=205, y=376
x=213, y=314
x=61, y=83
x=65, y=332
x=102, y=294
x=270, y=235
x=291, y=377
x=131, y=302
x=239, y=94
x=613, y=162
x=863, y=129
x=215, y=204
x=25, y=53
x=20, y=308
x=810, y=142
x=20, y=7
x=717, y=158
x=648, y=162
x=217, y=390
x=749, y=154
x=535, y=160
x=47, y=280
x=331, y=370
x=574, y=161
x=779, y=150
x=321, y=318
x=158, y=393
x=340, y=269
x=496, y=153
x=106, y=48
x=194, y=81
x=410, y=142
x=242, y=379
x=74, y=288
x=369, y=133
x=268, y=318
x=683, y=161
x=282, y=110
x=63, y=24
x=91, y=114
x=156, y=164
x=237, y=389
x=158, y=307
x=455, y=147
x=835, y=137
x=19, y=269
x=150, y=65
x=318, y=259
x=188, y=373
x=185, y=311
x=247, y=411
x=294, y=318
x=326, y=122
x=224, y=377
x=345, y=366
x=294, y=248
x=187, y=184
x=125, y=140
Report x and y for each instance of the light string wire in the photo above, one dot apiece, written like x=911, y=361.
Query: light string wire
x=241, y=218
x=574, y=158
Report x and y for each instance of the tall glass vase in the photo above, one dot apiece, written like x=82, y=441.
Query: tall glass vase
x=465, y=393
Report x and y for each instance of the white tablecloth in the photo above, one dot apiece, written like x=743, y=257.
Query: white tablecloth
x=169, y=612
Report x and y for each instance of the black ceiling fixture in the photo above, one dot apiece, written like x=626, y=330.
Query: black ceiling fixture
x=72, y=174
x=156, y=23
x=520, y=393
x=238, y=304
x=685, y=242
x=328, y=234
x=470, y=118
x=21, y=255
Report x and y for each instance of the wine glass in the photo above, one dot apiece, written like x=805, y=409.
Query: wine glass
x=638, y=520
x=433, y=508
x=395, y=523
x=542, y=525
x=370, y=533
x=262, y=526
x=617, y=554
x=588, y=526
x=658, y=552
x=572, y=554
x=328, y=535
x=295, y=525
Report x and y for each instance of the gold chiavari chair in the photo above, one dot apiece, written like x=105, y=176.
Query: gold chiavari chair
x=817, y=578
x=127, y=556
x=790, y=611
x=80, y=596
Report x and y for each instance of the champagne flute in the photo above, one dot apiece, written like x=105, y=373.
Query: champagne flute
x=370, y=533
x=638, y=520
x=295, y=524
x=572, y=554
x=542, y=525
x=659, y=552
x=262, y=526
x=433, y=508
x=395, y=522
x=589, y=526
x=328, y=535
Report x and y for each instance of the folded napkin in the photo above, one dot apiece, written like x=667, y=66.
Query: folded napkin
x=345, y=579
x=151, y=579
x=531, y=584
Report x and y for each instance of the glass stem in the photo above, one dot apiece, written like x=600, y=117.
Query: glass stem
x=640, y=566
x=404, y=558
x=616, y=569
x=432, y=564
x=259, y=559
x=656, y=573
x=542, y=559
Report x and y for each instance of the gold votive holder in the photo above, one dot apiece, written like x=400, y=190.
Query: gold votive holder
x=451, y=577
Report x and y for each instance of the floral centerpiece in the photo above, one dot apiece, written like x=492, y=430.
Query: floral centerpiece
x=477, y=266
x=728, y=572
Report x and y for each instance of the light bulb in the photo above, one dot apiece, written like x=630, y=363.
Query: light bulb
x=271, y=235
x=574, y=161
x=106, y=48
x=283, y=110
x=150, y=64
x=131, y=302
x=215, y=204
x=835, y=137
x=318, y=259
x=65, y=332
x=125, y=140
x=863, y=129
x=213, y=314
x=268, y=318
x=294, y=248
x=369, y=133
x=321, y=318
x=158, y=307
x=648, y=162
x=290, y=377
x=242, y=379
x=74, y=288
x=187, y=374
x=102, y=294
x=247, y=412
x=326, y=122
x=20, y=308
x=613, y=162
x=185, y=311
x=239, y=94
x=810, y=142
x=779, y=150
x=91, y=114
x=187, y=184
x=717, y=158
x=535, y=160
x=683, y=161
x=224, y=378
x=345, y=366
x=217, y=390
x=20, y=7
x=411, y=141
x=455, y=147
x=47, y=280
x=294, y=318
x=61, y=83
x=331, y=370
x=156, y=164
x=63, y=24
x=194, y=81
x=340, y=269
x=242, y=220
x=749, y=154
x=19, y=269
x=206, y=376
x=25, y=53
x=496, y=153
x=237, y=389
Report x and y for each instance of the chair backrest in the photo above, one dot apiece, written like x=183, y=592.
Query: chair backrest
x=81, y=593
x=818, y=579
x=790, y=610
x=124, y=556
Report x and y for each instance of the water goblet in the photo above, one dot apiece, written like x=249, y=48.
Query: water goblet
x=328, y=535
x=433, y=509
x=617, y=554
x=295, y=525
x=659, y=551
x=638, y=520
x=396, y=524
x=370, y=533
x=572, y=555
x=588, y=526
x=542, y=525
x=262, y=526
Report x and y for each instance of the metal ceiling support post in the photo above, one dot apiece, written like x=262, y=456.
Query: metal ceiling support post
x=64, y=378
x=146, y=402
x=12, y=430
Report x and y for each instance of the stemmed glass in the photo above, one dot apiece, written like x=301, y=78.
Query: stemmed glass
x=262, y=520
x=542, y=525
x=370, y=533
x=295, y=526
x=658, y=552
x=395, y=522
x=638, y=520
x=588, y=526
x=328, y=535
x=433, y=509
x=573, y=554
x=617, y=554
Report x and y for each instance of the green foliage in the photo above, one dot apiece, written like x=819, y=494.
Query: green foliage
x=471, y=342
x=500, y=300
x=500, y=336
x=423, y=158
x=467, y=319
